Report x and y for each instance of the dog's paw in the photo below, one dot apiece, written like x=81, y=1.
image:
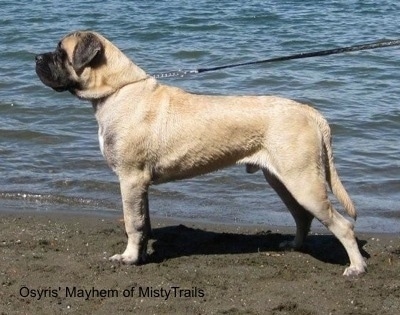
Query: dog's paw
x=353, y=271
x=125, y=259
x=129, y=259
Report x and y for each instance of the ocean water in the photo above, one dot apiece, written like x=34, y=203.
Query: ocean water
x=49, y=154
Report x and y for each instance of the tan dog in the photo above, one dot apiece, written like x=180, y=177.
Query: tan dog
x=152, y=133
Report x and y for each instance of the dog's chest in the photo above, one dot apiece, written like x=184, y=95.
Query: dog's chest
x=106, y=143
x=101, y=140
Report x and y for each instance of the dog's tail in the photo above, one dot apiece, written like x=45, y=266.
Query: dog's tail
x=331, y=174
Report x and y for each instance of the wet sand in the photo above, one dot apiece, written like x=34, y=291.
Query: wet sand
x=57, y=263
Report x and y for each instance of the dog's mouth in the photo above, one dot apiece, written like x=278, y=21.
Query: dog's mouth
x=46, y=77
x=52, y=75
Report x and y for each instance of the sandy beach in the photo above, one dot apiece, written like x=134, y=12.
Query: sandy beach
x=57, y=263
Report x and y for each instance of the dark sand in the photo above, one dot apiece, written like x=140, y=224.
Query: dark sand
x=49, y=260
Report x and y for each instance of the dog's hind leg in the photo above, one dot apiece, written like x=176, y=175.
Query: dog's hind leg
x=343, y=230
x=301, y=216
x=309, y=190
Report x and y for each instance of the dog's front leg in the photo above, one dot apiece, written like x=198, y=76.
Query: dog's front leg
x=134, y=191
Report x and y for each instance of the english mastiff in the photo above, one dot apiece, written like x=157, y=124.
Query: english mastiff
x=151, y=133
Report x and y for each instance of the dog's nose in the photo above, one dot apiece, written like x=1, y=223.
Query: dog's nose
x=39, y=58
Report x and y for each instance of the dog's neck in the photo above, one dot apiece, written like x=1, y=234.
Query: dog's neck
x=104, y=86
x=99, y=101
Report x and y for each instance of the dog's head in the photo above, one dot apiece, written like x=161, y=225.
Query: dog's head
x=87, y=65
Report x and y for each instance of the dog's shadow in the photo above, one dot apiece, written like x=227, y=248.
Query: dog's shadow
x=179, y=240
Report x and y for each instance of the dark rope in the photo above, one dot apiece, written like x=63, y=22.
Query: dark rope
x=379, y=44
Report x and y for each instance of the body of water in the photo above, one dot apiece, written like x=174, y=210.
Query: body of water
x=49, y=154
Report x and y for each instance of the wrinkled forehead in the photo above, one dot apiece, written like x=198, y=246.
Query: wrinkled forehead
x=69, y=43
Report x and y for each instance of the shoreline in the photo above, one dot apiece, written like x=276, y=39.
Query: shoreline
x=58, y=263
x=316, y=227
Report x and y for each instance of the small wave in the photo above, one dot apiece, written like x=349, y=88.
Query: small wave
x=31, y=135
x=55, y=199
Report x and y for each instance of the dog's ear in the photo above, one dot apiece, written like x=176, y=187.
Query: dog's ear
x=88, y=52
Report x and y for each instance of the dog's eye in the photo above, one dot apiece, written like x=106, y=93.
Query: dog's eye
x=60, y=54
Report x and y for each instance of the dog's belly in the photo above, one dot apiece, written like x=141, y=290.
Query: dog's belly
x=193, y=161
